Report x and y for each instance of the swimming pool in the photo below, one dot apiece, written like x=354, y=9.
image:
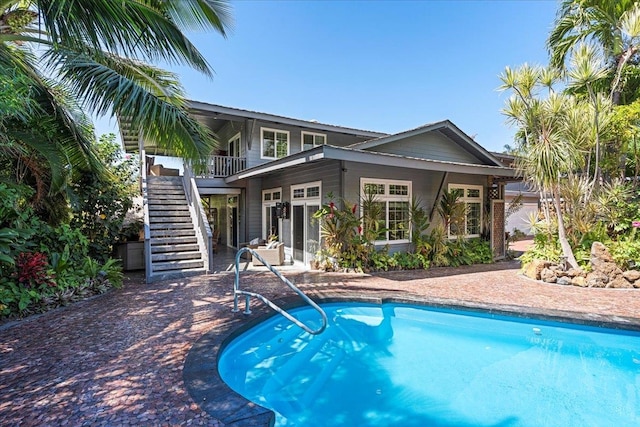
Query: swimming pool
x=410, y=366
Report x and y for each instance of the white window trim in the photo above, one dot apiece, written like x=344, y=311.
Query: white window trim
x=388, y=198
x=304, y=199
x=269, y=203
x=312, y=134
x=464, y=199
x=275, y=149
x=237, y=136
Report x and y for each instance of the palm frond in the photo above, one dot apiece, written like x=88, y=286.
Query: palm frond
x=151, y=99
x=132, y=28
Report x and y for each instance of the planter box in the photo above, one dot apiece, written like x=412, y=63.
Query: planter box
x=273, y=256
x=132, y=255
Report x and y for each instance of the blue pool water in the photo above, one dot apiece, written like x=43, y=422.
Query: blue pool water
x=411, y=366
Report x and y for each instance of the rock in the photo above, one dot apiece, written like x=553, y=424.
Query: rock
x=599, y=255
x=564, y=281
x=548, y=275
x=597, y=279
x=619, y=282
x=579, y=281
x=535, y=267
x=631, y=275
x=575, y=272
x=610, y=269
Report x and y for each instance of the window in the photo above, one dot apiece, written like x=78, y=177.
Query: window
x=305, y=229
x=310, y=140
x=387, y=202
x=274, y=143
x=234, y=146
x=270, y=220
x=471, y=221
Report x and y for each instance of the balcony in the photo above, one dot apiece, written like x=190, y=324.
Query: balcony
x=224, y=166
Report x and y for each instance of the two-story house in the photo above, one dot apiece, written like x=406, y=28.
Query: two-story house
x=272, y=173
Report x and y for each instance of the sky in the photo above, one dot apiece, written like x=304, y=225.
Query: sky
x=384, y=66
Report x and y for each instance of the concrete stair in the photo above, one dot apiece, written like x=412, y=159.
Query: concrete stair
x=174, y=245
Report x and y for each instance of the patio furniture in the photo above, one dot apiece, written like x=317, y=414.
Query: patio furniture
x=274, y=255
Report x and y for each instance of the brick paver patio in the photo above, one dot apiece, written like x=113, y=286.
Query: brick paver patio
x=117, y=359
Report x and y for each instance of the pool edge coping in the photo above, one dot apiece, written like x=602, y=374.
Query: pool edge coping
x=209, y=391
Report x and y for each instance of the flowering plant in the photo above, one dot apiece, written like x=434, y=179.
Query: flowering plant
x=32, y=270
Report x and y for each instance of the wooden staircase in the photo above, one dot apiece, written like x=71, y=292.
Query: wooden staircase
x=175, y=251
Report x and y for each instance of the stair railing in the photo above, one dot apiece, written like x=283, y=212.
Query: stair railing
x=205, y=236
x=247, y=294
x=148, y=267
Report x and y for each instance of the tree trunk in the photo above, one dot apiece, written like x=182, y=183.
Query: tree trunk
x=562, y=234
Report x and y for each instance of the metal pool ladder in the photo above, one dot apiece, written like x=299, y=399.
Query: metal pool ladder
x=247, y=294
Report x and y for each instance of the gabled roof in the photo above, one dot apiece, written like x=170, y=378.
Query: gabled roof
x=445, y=127
x=210, y=113
x=330, y=152
x=231, y=113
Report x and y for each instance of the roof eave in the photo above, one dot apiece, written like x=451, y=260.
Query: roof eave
x=329, y=152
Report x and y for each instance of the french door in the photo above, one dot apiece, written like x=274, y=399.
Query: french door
x=305, y=229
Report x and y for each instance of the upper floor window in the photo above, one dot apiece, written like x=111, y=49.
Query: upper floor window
x=388, y=201
x=310, y=140
x=234, y=146
x=274, y=144
x=470, y=223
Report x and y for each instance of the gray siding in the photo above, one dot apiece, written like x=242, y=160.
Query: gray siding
x=326, y=172
x=458, y=178
x=425, y=185
x=431, y=145
x=252, y=217
x=295, y=138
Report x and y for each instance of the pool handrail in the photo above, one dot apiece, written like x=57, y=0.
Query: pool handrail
x=237, y=291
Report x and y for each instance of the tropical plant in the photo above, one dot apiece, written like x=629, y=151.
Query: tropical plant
x=100, y=202
x=611, y=25
x=419, y=224
x=550, y=136
x=97, y=54
x=452, y=211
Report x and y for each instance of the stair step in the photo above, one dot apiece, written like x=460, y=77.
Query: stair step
x=164, y=182
x=159, y=211
x=160, y=204
x=171, y=226
x=165, y=202
x=172, y=240
x=172, y=232
x=172, y=219
x=165, y=191
x=151, y=178
x=177, y=265
x=174, y=248
x=161, y=199
x=175, y=256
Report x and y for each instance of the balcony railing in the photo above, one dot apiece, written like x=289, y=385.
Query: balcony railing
x=224, y=166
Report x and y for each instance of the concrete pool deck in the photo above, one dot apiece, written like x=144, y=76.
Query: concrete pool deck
x=118, y=359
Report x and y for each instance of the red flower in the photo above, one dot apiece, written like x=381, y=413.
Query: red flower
x=353, y=209
x=359, y=229
x=332, y=206
x=32, y=269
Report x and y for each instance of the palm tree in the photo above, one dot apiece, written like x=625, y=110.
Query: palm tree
x=612, y=25
x=94, y=55
x=548, y=150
